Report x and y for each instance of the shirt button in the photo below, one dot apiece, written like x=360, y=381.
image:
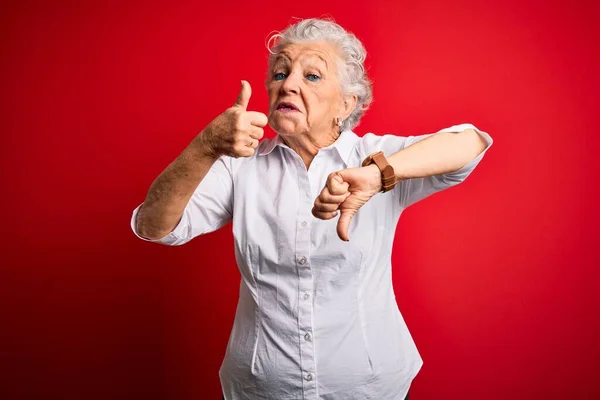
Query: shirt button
x=307, y=337
x=306, y=296
x=302, y=261
x=304, y=223
x=309, y=377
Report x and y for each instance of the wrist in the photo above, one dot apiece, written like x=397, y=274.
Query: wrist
x=202, y=146
x=375, y=175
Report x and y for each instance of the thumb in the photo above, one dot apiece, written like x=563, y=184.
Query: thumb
x=344, y=223
x=244, y=96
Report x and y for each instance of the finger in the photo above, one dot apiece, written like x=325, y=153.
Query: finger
x=253, y=143
x=257, y=118
x=326, y=207
x=244, y=96
x=336, y=184
x=326, y=197
x=247, y=152
x=256, y=133
x=324, y=215
x=344, y=224
x=244, y=149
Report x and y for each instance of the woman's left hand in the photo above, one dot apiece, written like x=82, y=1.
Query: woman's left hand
x=345, y=192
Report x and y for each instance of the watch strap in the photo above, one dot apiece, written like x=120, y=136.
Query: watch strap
x=388, y=176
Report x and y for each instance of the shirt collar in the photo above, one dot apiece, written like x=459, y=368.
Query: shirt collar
x=344, y=145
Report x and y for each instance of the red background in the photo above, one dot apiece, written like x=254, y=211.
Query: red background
x=498, y=278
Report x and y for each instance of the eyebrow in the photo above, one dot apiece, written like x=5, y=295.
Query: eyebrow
x=281, y=56
x=324, y=60
x=284, y=56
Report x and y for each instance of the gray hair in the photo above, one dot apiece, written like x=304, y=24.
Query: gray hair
x=352, y=74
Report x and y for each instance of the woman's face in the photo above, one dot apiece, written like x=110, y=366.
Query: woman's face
x=304, y=90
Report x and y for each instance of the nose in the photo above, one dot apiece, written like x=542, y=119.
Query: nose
x=291, y=84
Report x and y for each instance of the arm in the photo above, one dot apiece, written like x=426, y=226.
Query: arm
x=429, y=164
x=437, y=154
x=172, y=189
x=236, y=132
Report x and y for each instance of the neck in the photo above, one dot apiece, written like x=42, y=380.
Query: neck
x=307, y=146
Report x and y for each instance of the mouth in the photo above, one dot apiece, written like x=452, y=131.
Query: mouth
x=286, y=107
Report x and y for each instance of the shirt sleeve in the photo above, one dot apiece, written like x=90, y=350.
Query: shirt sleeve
x=412, y=190
x=209, y=208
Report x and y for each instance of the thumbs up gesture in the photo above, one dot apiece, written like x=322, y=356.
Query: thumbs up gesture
x=344, y=193
x=236, y=132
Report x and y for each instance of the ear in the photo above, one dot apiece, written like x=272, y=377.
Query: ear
x=349, y=104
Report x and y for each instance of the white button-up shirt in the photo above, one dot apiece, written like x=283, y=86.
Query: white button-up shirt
x=317, y=317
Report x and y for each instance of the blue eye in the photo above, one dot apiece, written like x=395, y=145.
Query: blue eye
x=313, y=77
x=279, y=76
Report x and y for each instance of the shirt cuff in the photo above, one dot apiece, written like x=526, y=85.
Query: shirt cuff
x=488, y=140
x=173, y=238
x=463, y=127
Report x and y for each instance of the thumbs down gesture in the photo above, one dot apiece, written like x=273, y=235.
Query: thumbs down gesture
x=344, y=193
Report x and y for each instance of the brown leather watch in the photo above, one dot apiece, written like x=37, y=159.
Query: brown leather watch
x=388, y=176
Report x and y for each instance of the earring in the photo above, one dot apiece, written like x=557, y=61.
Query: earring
x=338, y=122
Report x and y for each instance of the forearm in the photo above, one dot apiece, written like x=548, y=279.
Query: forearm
x=172, y=189
x=441, y=153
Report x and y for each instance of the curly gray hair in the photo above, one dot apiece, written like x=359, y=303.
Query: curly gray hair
x=353, y=76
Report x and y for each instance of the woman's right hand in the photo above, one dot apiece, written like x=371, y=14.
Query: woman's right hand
x=236, y=132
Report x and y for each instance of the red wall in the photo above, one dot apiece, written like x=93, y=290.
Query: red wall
x=498, y=279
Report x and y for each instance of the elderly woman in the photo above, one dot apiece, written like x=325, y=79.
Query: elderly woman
x=314, y=212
